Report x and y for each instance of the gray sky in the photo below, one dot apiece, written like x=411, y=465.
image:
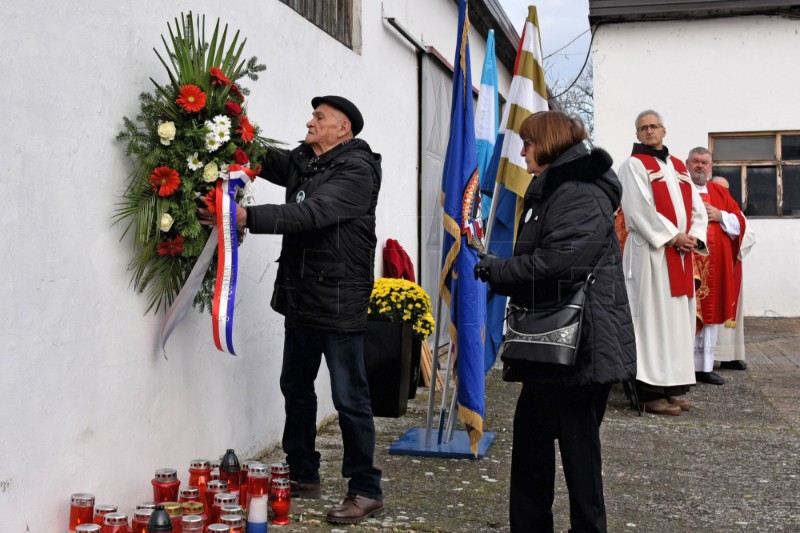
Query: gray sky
x=560, y=21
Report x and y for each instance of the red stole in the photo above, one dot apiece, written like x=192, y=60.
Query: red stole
x=720, y=272
x=679, y=266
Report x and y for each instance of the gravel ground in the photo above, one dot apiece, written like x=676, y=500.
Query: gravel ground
x=731, y=464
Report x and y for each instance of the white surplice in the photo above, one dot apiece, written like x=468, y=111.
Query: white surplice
x=664, y=325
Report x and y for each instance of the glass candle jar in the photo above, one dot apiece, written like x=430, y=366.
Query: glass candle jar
x=89, y=528
x=195, y=509
x=221, y=499
x=232, y=508
x=159, y=521
x=189, y=494
x=192, y=524
x=165, y=485
x=243, y=483
x=278, y=471
x=257, y=482
x=81, y=510
x=280, y=499
x=230, y=471
x=175, y=513
x=146, y=505
x=115, y=523
x=140, y=519
x=102, y=510
x=234, y=522
x=199, y=475
x=215, y=487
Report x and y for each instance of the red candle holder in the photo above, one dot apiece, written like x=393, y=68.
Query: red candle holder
x=257, y=482
x=115, y=523
x=215, y=487
x=165, y=485
x=140, y=518
x=199, y=475
x=81, y=510
x=280, y=499
x=189, y=494
x=101, y=510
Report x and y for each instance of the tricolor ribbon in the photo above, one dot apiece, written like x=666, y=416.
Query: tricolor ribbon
x=225, y=236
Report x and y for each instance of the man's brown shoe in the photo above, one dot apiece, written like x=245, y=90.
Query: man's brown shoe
x=685, y=405
x=305, y=490
x=354, y=509
x=661, y=407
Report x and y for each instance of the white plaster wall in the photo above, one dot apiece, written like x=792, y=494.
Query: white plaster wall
x=87, y=402
x=704, y=76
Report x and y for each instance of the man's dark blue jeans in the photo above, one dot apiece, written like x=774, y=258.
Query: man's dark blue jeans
x=344, y=355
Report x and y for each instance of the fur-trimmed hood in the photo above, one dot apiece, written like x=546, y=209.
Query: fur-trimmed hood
x=579, y=164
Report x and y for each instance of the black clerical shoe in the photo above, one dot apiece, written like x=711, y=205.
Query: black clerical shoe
x=709, y=377
x=733, y=365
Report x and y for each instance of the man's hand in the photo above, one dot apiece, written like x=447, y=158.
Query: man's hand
x=205, y=217
x=714, y=214
x=683, y=243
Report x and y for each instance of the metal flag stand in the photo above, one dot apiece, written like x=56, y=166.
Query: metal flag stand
x=449, y=444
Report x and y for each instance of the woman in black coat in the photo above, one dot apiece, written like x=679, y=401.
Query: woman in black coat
x=566, y=231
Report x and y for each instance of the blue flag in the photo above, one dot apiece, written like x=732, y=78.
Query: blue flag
x=463, y=233
x=487, y=119
x=527, y=95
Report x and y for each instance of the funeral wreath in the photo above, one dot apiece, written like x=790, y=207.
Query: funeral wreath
x=184, y=138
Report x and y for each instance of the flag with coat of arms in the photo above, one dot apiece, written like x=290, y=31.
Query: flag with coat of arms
x=463, y=234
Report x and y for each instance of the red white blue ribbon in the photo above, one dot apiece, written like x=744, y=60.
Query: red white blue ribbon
x=224, y=236
x=227, y=257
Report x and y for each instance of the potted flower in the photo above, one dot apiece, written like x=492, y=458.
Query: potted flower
x=400, y=319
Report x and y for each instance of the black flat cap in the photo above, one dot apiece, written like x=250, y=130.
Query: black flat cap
x=345, y=106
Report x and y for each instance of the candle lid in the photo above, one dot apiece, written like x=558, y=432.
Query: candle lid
x=115, y=519
x=166, y=474
x=192, y=508
x=104, y=509
x=142, y=515
x=190, y=492
x=199, y=463
x=82, y=499
x=258, y=470
x=88, y=528
x=217, y=485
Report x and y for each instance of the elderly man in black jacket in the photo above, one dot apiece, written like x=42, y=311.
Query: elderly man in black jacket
x=323, y=285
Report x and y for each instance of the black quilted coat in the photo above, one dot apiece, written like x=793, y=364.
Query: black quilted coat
x=567, y=227
x=325, y=272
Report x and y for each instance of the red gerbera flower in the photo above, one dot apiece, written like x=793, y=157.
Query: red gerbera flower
x=236, y=92
x=165, y=181
x=232, y=109
x=211, y=201
x=246, y=129
x=171, y=246
x=219, y=76
x=191, y=98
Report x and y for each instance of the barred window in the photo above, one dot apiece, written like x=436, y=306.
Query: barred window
x=341, y=19
x=763, y=169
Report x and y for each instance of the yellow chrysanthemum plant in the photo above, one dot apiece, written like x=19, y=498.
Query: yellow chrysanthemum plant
x=400, y=300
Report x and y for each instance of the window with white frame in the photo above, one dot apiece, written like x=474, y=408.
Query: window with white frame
x=341, y=19
x=763, y=169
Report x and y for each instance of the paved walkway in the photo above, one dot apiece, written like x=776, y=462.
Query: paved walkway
x=732, y=464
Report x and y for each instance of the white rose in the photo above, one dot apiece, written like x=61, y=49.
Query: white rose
x=166, y=222
x=210, y=172
x=166, y=131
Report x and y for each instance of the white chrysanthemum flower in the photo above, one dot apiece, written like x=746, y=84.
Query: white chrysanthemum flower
x=223, y=134
x=210, y=172
x=222, y=121
x=194, y=161
x=223, y=171
x=213, y=142
x=209, y=126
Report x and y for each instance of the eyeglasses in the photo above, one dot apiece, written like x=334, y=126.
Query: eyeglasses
x=527, y=142
x=646, y=127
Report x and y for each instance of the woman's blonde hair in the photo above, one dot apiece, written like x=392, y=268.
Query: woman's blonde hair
x=550, y=134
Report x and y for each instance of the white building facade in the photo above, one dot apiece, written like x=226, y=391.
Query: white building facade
x=89, y=404
x=717, y=71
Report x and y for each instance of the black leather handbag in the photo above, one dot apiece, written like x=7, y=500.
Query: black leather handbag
x=543, y=338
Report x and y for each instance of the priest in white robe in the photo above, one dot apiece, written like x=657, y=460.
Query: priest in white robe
x=666, y=221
